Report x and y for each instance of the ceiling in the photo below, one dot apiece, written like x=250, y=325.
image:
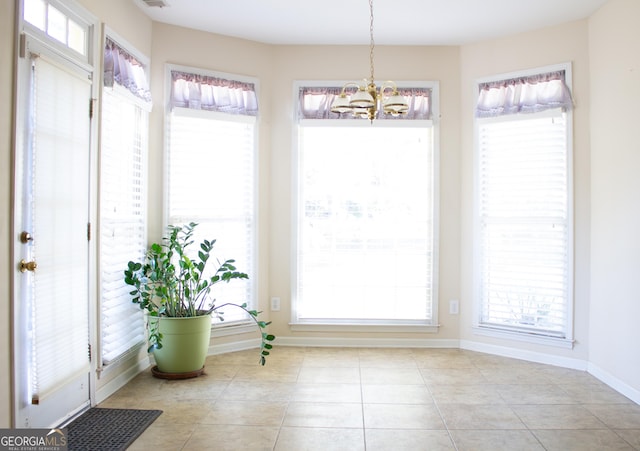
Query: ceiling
x=346, y=22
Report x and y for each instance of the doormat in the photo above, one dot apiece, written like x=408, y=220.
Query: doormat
x=101, y=429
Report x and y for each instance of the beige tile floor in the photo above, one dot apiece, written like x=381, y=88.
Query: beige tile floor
x=381, y=399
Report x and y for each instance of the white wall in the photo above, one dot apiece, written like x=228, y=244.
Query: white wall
x=614, y=343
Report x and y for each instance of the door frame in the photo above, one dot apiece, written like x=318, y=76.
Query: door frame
x=28, y=37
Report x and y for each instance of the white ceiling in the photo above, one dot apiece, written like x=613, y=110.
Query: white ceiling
x=346, y=22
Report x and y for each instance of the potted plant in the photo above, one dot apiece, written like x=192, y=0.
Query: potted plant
x=173, y=285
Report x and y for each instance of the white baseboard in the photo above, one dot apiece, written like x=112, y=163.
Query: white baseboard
x=565, y=362
x=615, y=383
x=531, y=356
x=366, y=342
x=121, y=379
x=234, y=346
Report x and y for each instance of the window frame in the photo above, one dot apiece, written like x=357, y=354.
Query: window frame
x=364, y=325
x=514, y=333
x=79, y=15
x=228, y=327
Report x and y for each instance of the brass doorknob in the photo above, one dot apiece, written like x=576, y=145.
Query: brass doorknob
x=27, y=266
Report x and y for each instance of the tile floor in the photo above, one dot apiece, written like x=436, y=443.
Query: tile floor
x=381, y=399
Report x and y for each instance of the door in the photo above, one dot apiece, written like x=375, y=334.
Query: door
x=52, y=242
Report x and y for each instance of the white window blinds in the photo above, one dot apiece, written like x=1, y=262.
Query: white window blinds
x=211, y=173
x=366, y=247
x=59, y=140
x=366, y=239
x=524, y=239
x=123, y=162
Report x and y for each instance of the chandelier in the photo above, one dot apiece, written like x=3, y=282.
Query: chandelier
x=364, y=103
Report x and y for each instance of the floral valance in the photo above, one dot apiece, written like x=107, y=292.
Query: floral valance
x=529, y=94
x=315, y=103
x=124, y=69
x=203, y=92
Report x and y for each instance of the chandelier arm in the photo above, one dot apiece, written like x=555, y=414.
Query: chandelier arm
x=388, y=85
x=348, y=85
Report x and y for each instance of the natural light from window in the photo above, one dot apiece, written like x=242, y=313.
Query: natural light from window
x=56, y=24
x=365, y=224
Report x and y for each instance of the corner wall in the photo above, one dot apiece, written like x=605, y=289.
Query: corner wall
x=614, y=39
x=560, y=44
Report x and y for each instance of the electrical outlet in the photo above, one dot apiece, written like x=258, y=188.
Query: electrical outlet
x=275, y=304
x=454, y=307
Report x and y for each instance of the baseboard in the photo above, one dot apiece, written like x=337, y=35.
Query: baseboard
x=234, y=346
x=366, y=342
x=615, y=383
x=565, y=362
x=121, y=379
x=531, y=356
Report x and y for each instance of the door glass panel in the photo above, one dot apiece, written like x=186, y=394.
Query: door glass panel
x=34, y=13
x=57, y=25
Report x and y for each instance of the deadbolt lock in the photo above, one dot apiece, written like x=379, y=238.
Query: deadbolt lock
x=25, y=237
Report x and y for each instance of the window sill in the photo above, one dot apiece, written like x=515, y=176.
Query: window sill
x=359, y=327
x=524, y=336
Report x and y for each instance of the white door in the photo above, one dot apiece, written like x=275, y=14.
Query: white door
x=52, y=243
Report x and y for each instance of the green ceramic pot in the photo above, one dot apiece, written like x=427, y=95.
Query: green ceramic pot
x=185, y=343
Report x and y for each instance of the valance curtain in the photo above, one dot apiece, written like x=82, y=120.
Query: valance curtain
x=122, y=68
x=203, y=92
x=530, y=94
x=315, y=103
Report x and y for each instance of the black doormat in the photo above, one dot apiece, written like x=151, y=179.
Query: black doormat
x=101, y=429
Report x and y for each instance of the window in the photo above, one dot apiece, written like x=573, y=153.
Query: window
x=211, y=171
x=59, y=23
x=366, y=216
x=524, y=220
x=123, y=201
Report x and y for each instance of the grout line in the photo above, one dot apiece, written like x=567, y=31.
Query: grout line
x=364, y=428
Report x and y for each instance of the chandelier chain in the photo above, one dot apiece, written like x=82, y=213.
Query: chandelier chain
x=368, y=98
x=372, y=44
